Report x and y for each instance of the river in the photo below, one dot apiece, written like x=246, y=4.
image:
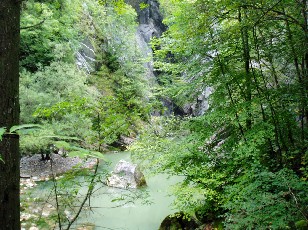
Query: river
x=127, y=215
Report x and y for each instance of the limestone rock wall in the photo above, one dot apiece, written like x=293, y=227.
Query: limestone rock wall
x=150, y=25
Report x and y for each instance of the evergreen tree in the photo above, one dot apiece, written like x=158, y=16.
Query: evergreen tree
x=9, y=115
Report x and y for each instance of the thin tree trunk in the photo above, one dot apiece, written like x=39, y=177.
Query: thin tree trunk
x=268, y=100
x=246, y=59
x=9, y=114
x=299, y=76
x=230, y=93
x=305, y=60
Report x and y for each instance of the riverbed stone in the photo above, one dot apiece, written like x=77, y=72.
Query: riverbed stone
x=126, y=175
x=179, y=221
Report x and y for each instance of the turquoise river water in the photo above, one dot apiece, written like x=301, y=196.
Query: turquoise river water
x=130, y=213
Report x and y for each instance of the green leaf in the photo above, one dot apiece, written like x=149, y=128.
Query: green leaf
x=96, y=154
x=61, y=137
x=78, y=153
x=143, y=5
x=1, y=159
x=2, y=131
x=117, y=199
x=302, y=224
x=16, y=128
x=62, y=144
x=83, y=153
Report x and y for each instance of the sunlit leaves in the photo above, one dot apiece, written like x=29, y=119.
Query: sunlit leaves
x=143, y=6
x=44, y=31
x=246, y=52
x=25, y=128
x=2, y=131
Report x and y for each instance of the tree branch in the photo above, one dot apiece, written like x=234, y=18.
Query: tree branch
x=266, y=11
x=89, y=193
x=36, y=25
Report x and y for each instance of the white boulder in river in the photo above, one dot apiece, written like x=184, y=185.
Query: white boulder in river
x=126, y=175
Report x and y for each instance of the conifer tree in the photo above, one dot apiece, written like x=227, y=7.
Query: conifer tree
x=9, y=114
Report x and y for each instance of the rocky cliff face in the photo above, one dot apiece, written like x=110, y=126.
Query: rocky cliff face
x=150, y=25
x=149, y=17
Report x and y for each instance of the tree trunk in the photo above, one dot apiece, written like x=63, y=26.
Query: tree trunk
x=305, y=60
x=9, y=114
x=246, y=60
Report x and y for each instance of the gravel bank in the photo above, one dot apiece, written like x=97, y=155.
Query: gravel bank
x=33, y=167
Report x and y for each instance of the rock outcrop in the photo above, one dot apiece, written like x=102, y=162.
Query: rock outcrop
x=86, y=57
x=150, y=18
x=126, y=175
x=200, y=106
x=179, y=221
x=151, y=25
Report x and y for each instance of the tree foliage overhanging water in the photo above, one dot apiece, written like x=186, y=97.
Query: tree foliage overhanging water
x=244, y=159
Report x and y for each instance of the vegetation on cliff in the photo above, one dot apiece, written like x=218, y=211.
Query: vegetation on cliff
x=245, y=159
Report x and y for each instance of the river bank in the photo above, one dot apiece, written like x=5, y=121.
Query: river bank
x=32, y=167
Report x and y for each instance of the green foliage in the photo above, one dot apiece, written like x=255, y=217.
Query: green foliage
x=171, y=148
x=121, y=78
x=263, y=199
x=36, y=142
x=2, y=131
x=302, y=224
x=143, y=5
x=67, y=100
x=79, y=109
x=61, y=102
x=84, y=153
x=254, y=133
x=218, y=181
x=75, y=151
x=304, y=169
x=160, y=139
x=49, y=33
x=25, y=128
x=244, y=160
x=19, y=129
x=41, y=90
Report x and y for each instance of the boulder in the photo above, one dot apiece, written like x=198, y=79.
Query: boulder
x=179, y=221
x=122, y=142
x=126, y=175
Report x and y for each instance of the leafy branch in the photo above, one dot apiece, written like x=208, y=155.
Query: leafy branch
x=18, y=129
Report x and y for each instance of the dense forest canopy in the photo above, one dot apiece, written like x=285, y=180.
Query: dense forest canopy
x=234, y=75
x=82, y=73
x=245, y=158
